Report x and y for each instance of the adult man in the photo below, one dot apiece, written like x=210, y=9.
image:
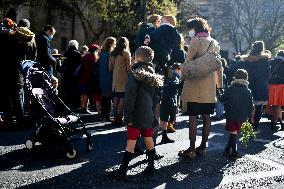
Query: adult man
x=44, y=50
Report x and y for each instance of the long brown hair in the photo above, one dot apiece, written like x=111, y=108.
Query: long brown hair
x=108, y=43
x=122, y=44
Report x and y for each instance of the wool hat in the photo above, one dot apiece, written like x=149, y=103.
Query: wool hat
x=94, y=47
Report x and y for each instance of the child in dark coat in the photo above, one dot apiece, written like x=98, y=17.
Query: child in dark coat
x=238, y=105
x=169, y=99
x=138, y=113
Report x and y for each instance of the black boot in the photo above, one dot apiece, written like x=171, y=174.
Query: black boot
x=124, y=164
x=150, y=170
x=165, y=138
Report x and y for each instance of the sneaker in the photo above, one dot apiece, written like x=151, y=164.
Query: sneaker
x=165, y=140
x=170, y=128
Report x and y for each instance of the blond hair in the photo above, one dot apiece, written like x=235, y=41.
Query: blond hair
x=171, y=19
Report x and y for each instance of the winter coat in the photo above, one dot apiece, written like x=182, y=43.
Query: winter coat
x=44, y=50
x=277, y=71
x=105, y=74
x=202, y=90
x=237, y=101
x=177, y=56
x=145, y=29
x=119, y=66
x=162, y=41
x=139, y=94
x=72, y=61
x=171, y=90
x=258, y=75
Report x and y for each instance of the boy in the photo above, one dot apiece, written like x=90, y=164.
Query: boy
x=238, y=107
x=139, y=116
x=169, y=100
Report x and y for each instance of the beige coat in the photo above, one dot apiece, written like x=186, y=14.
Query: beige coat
x=202, y=90
x=120, y=66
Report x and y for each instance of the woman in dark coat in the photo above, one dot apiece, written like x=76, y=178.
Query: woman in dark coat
x=256, y=63
x=69, y=80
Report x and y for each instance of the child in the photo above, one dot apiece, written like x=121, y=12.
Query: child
x=238, y=107
x=169, y=100
x=138, y=112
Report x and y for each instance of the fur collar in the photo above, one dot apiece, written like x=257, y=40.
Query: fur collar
x=240, y=82
x=254, y=58
x=146, y=74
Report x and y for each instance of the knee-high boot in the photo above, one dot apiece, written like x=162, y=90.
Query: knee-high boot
x=151, y=157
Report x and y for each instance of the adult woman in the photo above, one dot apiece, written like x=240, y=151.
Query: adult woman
x=120, y=60
x=86, y=86
x=106, y=76
x=276, y=89
x=69, y=81
x=200, y=94
x=256, y=63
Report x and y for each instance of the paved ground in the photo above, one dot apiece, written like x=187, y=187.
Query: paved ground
x=262, y=164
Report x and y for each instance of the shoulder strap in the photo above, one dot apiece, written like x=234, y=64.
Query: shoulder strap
x=208, y=46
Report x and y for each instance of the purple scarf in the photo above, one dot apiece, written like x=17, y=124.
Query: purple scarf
x=202, y=34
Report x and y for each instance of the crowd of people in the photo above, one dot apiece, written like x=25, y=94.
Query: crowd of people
x=145, y=91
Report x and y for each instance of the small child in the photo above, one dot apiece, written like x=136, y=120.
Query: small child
x=169, y=100
x=238, y=105
x=139, y=116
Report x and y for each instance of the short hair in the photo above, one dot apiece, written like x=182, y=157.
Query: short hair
x=8, y=23
x=24, y=23
x=280, y=53
x=198, y=24
x=171, y=19
x=145, y=53
x=241, y=74
x=257, y=48
x=153, y=18
x=73, y=43
x=85, y=48
x=48, y=28
x=107, y=43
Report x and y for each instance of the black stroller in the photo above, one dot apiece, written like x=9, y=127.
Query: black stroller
x=56, y=125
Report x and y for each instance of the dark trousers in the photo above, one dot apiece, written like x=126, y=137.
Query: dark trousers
x=106, y=106
x=12, y=104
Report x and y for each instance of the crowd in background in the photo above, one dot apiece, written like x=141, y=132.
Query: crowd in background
x=105, y=78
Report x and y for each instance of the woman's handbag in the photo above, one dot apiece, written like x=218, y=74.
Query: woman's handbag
x=202, y=66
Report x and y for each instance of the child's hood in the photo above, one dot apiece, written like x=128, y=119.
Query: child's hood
x=144, y=72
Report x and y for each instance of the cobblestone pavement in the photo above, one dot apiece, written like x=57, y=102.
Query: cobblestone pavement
x=261, y=165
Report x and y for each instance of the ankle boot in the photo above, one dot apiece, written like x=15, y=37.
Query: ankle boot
x=124, y=164
x=166, y=139
x=151, y=157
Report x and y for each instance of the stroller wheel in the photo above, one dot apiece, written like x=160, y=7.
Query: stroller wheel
x=71, y=154
x=29, y=144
